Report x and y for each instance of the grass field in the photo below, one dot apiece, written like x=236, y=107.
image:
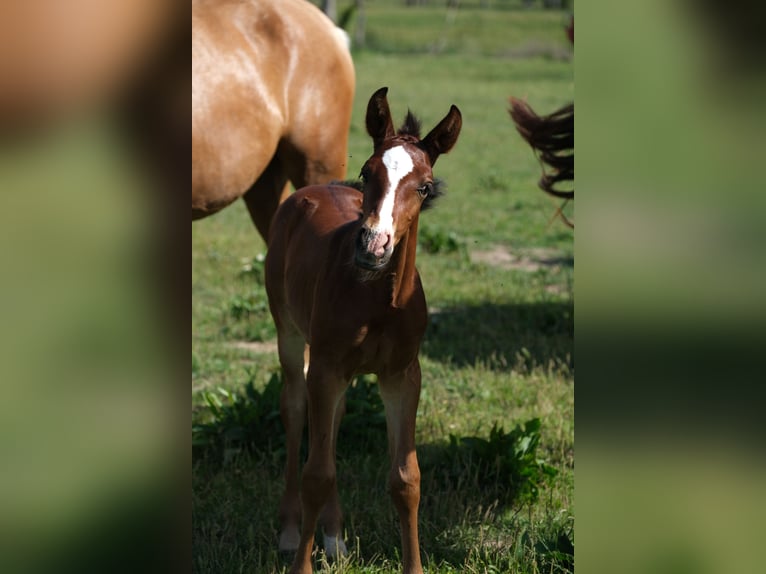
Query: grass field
x=498, y=276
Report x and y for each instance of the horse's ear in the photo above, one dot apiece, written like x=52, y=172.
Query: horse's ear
x=379, y=124
x=441, y=139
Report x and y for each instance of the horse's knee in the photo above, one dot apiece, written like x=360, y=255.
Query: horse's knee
x=316, y=484
x=292, y=404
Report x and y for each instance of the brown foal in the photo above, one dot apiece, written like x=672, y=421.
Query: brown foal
x=341, y=280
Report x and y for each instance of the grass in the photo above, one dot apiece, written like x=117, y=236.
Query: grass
x=497, y=353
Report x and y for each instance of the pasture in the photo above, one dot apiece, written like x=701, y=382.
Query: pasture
x=498, y=352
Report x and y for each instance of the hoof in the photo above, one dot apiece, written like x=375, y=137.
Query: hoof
x=289, y=540
x=334, y=547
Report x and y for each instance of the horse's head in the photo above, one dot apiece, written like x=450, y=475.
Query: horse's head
x=397, y=178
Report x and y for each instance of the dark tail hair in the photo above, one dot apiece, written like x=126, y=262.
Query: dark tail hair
x=552, y=137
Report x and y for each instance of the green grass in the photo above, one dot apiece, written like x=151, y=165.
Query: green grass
x=498, y=349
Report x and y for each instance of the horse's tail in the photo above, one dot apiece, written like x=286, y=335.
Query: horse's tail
x=552, y=137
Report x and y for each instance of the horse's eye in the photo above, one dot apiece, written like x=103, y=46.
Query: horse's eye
x=424, y=190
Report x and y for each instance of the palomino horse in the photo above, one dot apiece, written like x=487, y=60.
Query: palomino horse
x=272, y=90
x=59, y=59
x=341, y=279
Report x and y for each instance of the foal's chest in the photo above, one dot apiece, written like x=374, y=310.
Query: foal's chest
x=386, y=346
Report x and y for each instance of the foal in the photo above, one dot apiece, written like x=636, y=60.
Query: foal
x=341, y=279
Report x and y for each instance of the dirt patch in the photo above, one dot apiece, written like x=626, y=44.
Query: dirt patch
x=256, y=347
x=531, y=259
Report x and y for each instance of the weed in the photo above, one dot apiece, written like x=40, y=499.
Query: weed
x=249, y=317
x=242, y=307
x=436, y=240
x=505, y=458
x=254, y=268
x=364, y=424
x=237, y=421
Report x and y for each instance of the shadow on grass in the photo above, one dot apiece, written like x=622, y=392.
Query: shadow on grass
x=465, y=520
x=470, y=516
x=468, y=489
x=500, y=336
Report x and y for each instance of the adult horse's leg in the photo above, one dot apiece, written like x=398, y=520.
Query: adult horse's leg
x=325, y=391
x=401, y=393
x=265, y=195
x=292, y=406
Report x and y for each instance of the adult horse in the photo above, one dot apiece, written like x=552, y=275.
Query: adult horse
x=342, y=284
x=59, y=59
x=272, y=90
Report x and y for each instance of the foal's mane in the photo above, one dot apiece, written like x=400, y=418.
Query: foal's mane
x=410, y=126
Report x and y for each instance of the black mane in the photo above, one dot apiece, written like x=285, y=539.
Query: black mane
x=356, y=184
x=411, y=126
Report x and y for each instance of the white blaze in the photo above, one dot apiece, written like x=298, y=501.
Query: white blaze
x=399, y=164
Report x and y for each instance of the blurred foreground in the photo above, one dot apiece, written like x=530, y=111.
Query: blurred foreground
x=670, y=280
x=90, y=143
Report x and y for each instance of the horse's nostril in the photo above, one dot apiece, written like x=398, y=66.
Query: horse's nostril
x=373, y=242
x=380, y=243
x=363, y=239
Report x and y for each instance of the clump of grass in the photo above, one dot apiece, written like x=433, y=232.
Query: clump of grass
x=364, y=425
x=436, y=240
x=507, y=459
x=242, y=307
x=231, y=422
x=254, y=268
x=248, y=317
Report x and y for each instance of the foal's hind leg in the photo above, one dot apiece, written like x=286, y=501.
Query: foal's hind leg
x=265, y=195
x=325, y=392
x=293, y=411
x=331, y=517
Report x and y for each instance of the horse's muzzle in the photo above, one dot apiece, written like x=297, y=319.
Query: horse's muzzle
x=373, y=249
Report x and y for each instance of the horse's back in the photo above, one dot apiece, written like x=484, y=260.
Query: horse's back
x=305, y=235
x=313, y=213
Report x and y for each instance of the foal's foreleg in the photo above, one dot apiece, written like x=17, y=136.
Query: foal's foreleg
x=325, y=391
x=401, y=393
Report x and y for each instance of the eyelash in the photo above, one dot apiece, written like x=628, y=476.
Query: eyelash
x=425, y=190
